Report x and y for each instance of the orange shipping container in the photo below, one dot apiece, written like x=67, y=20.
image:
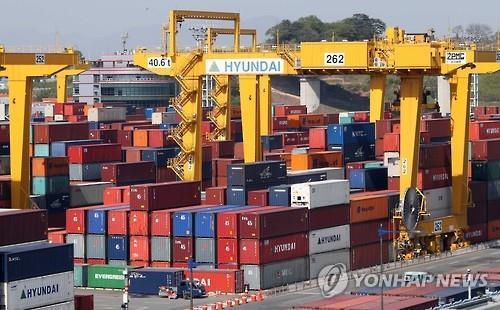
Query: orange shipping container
x=49, y=166
x=140, y=137
x=494, y=230
x=316, y=160
x=368, y=207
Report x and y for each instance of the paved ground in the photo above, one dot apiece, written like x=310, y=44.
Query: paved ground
x=475, y=261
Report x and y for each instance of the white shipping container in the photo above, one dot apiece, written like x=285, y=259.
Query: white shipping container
x=37, y=292
x=4, y=111
x=48, y=110
x=59, y=118
x=346, y=114
x=329, y=239
x=332, y=173
x=70, y=305
x=320, y=194
x=107, y=114
x=393, y=168
x=159, y=118
x=438, y=198
x=321, y=260
x=389, y=155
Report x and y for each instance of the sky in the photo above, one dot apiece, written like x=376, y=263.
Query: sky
x=95, y=27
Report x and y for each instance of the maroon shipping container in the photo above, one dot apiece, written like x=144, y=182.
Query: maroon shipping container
x=96, y=153
x=20, y=226
x=125, y=137
x=268, y=223
x=476, y=233
x=107, y=135
x=369, y=255
x=379, y=148
x=139, y=223
x=51, y=132
x=479, y=191
x=217, y=280
x=434, y=155
x=263, y=251
x=216, y=195
x=478, y=214
x=486, y=149
x=228, y=222
x=258, y=198
x=227, y=250
x=139, y=248
x=222, y=149
x=494, y=210
x=284, y=110
x=331, y=216
x=118, y=222
x=161, y=220
x=164, y=195
x=182, y=249
x=482, y=130
x=303, y=137
x=279, y=123
x=4, y=133
x=362, y=116
x=290, y=138
x=129, y=173
x=84, y=302
x=437, y=128
x=222, y=164
x=366, y=232
x=434, y=178
x=159, y=138
x=384, y=126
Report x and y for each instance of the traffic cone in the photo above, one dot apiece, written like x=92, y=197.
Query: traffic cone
x=218, y=306
x=260, y=297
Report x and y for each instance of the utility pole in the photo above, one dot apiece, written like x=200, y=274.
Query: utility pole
x=125, y=289
x=468, y=283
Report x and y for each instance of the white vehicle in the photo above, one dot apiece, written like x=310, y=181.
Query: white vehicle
x=417, y=276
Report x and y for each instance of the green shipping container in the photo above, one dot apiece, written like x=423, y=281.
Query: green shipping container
x=50, y=185
x=374, y=164
x=81, y=273
x=346, y=120
x=106, y=276
x=483, y=170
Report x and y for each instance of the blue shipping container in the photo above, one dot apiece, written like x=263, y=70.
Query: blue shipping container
x=97, y=219
x=50, y=185
x=305, y=177
x=118, y=247
x=183, y=222
x=41, y=150
x=494, y=190
x=280, y=195
x=20, y=262
x=206, y=170
x=257, y=175
x=148, y=112
x=369, y=178
x=357, y=152
x=60, y=148
x=272, y=142
x=236, y=195
x=356, y=133
x=205, y=223
x=147, y=281
x=85, y=172
x=159, y=156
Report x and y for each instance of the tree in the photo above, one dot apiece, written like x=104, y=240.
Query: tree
x=479, y=32
x=458, y=32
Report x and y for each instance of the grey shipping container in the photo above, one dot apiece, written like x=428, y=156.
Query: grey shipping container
x=81, y=272
x=69, y=305
x=36, y=292
x=87, y=194
x=276, y=274
x=115, y=262
x=318, y=261
x=161, y=249
x=4, y=164
x=78, y=243
x=205, y=250
x=85, y=172
x=329, y=239
x=96, y=246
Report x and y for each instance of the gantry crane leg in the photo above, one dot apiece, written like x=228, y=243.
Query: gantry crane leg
x=62, y=80
x=250, y=111
x=265, y=104
x=411, y=92
x=220, y=115
x=460, y=116
x=377, y=92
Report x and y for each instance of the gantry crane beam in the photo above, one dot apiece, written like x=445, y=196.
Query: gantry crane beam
x=20, y=68
x=62, y=80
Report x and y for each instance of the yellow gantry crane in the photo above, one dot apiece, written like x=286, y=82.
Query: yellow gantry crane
x=20, y=69
x=62, y=80
x=410, y=56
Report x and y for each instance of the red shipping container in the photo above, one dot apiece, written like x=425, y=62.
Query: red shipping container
x=216, y=280
x=4, y=133
x=494, y=229
x=228, y=266
x=279, y=123
x=121, y=125
x=369, y=255
x=129, y=173
x=221, y=181
x=73, y=109
x=206, y=153
x=78, y=261
x=49, y=166
x=51, y=132
x=132, y=154
x=434, y=178
x=125, y=137
x=303, y=137
x=393, y=184
x=391, y=142
x=362, y=116
x=384, y=126
x=161, y=264
x=222, y=149
x=263, y=251
x=238, y=150
x=435, y=155
x=491, y=110
x=139, y=223
x=486, y=149
x=482, y=130
x=216, y=195
x=96, y=261
x=159, y=138
x=306, y=120
x=290, y=138
x=365, y=232
x=139, y=248
x=479, y=111
x=379, y=148
x=84, y=302
x=227, y=251
x=118, y=222
x=107, y=135
x=331, y=216
x=57, y=235
x=285, y=110
x=182, y=249
x=228, y=222
x=367, y=207
x=76, y=219
x=96, y=153
x=268, y=222
x=139, y=263
x=222, y=164
x=332, y=118
x=164, y=195
x=117, y=194
x=165, y=174
x=58, y=108
x=476, y=233
x=161, y=220
x=437, y=128
x=317, y=138
x=258, y=198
